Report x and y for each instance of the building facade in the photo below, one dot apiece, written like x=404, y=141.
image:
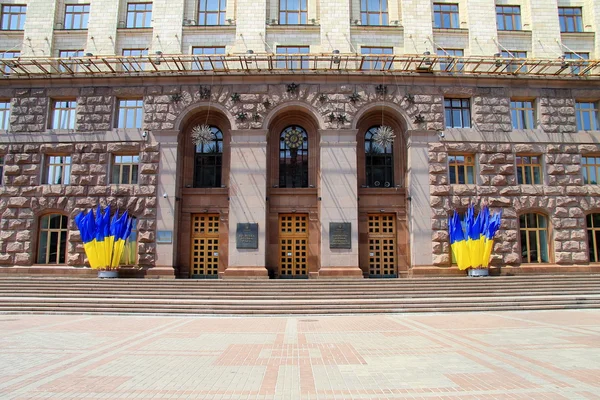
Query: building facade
x=245, y=136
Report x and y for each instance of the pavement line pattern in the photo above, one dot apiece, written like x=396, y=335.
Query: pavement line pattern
x=485, y=355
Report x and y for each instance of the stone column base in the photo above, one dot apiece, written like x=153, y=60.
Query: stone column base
x=162, y=272
x=341, y=272
x=245, y=273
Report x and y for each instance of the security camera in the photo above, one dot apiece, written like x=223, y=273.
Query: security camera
x=164, y=195
x=442, y=134
x=145, y=134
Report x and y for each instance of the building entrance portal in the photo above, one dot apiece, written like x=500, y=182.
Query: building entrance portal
x=205, y=246
x=293, y=245
x=382, y=246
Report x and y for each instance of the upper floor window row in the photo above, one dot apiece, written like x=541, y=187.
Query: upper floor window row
x=76, y=16
x=13, y=17
x=508, y=18
x=570, y=19
x=445, y=15
x=139, y=15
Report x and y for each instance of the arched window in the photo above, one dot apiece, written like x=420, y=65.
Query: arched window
x=534, y=238
x=379, y=161
x=52, y=245
x=208, y=161
x=593, y=230
x=293, y=158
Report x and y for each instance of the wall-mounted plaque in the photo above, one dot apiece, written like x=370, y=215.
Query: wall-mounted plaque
x=340, y=235
x=164, y=237
x=246, y=236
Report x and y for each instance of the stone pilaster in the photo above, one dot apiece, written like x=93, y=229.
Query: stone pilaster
x=168, y=26
x=102, y=27
x=545, y=29
x=418, y=26
x=482, y=36
x=39, y=27
x=247, y=201
x=335, y=26
x=250, y=26
x=339, y=191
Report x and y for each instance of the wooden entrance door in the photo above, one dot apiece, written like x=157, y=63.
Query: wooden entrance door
x=293, y=245
x=382, y=246
x=205, y=246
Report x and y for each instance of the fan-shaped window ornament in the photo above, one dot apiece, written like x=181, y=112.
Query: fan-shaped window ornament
x=379, y=156
x=293, y=157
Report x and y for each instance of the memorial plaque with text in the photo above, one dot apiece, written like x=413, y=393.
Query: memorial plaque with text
x=340, y=235
x=246, y=236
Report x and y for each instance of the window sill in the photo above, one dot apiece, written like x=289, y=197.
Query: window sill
x=578, y=35
x=287, y=27
x=376, y=27
x=63, y=31
x=451, y=30
x=136, y=30
x=210, y=28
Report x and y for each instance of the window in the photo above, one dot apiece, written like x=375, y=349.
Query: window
x=210, y=64
x=293, y=158
x=587, y=115
x=208, y=161
x=515, y=65
x=69, y=66
x=448, y=63
x=13, y=17
x=211, y=12
x=129, y=256
x=508, y=18
x=577, y=61
x=374, y=62
x=373, y=12
x=125, y=169
x=292, y=12
x=461, y=168
x=292, y=62
x=1, y=169
x=457, y=113
x=522, y=114
x=590, y=167
x=63, y=114
x=4, y=115
x=379, y=161
x=130, y=113
x=139, y=15
x=9, y=54
x=570, y=19
x=445, y=16
x=57, y=170
x=52, y=246
x=76, y=16
x=529, y=170
x=134, y=65
x=534, y=238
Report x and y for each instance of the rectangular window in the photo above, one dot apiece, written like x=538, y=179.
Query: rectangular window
x=76, y=16
x=461, y=168
x=578, y=62
x=205, y=63
x=292, y=61
x=590, y=167
x=374, y=62
x=125, y=169
x=513, y=64
x=63, y=114
x=448, y=63
x=292, y=12
x=57, y=170
x=211, y=12
x=445, y=16
x=134, y=65
x=131, y=113
x=570, y=19
x=66, y=65
x=522, y=114
x=457, y=113
x=508, y=18
x=587, y=116
x=13, y=17
x=7, y=64
x=139, y=15
x=4, y=115
x=373, y=12
x=529, y=170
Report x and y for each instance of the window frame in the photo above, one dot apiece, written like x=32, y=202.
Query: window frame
x=134, y=168
x=587, y=168
x=208, y=65
x=468, y=168
x=290, y=60
x=525, y=167
x=373, y=63
x=20, y=16
x=441, y=11
x=133, y=65
x=138, y=18
x=57, y=169
x=83, y=15
x=593, y=115
x=387, y=156
x=506, y=13
x=565, y=19
x=71, y=65
x=123, y=113
x=204, y=12
x=61, y=113
x=461, y=108
x=577, y=61
x=523, y=113
x=61, y=245
x=304, y=166
x=381, y=13
x=12, y=54
x=5, y=115
x=512, y=55
x=200, y=153
x=452, y=65
x=536, y=230
x=285, y=13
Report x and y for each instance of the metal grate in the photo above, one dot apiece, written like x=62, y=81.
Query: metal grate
x=382, y=246
x=205, y=246
x=293, y=245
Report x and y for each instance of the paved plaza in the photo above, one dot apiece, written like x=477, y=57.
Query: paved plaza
x=495, y=355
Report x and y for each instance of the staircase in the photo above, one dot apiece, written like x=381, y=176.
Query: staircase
x=217, y=297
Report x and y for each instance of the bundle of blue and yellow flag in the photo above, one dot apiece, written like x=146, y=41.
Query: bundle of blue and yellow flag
x=104, y=237
x=472, y=239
